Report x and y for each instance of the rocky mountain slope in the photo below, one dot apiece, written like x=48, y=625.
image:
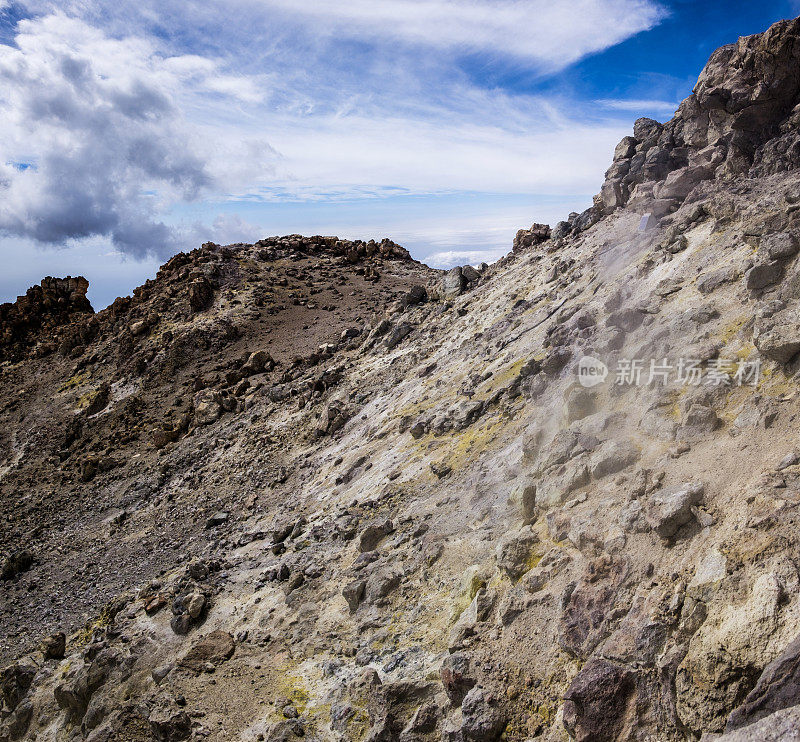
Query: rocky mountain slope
x=312, y=489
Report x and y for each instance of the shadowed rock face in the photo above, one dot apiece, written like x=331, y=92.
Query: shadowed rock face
x=778, y=688
x=310, y=488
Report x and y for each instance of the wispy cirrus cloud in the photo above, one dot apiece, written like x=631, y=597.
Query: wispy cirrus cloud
x=542, y=33
x=549, y=35
x=637, y=105
x=423, y=156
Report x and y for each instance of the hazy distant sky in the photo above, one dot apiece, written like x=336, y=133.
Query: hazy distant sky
x=132, y=130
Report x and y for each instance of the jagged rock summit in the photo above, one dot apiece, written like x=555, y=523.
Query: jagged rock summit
x=312, y=489
x=741, y=119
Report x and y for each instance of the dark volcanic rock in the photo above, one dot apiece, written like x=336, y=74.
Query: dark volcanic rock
x=741, y=115
x=39, y=314
x=597, y=701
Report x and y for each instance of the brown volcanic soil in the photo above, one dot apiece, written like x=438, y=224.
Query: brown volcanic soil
x=94, y=535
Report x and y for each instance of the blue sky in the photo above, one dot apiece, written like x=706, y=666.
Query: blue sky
x=133, y=130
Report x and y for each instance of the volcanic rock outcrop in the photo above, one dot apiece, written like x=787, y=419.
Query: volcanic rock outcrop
x=312, y=489
x=42, y=311
x=741, y=119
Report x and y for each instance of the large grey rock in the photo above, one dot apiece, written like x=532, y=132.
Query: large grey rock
x=631, y=517
x=762, y=275
x=453, y=283
x=257, y=362
x=671, y=508
x=698, y=422
x=612, y=195
x=778, y=337
x=561, y=230
x=212, y=649
x=469, y=273
x=627, y=320
x=397, y=335
x=372, y=535
x=553, y=488
x=564, y=446
x=596, y=702
x=169, y=724
x=741, y=114
x=745, y=90
x=18, y=722
x=680, y=182
x=15, y=564
x=207, y=406
x=625, y=149
x=712, y=280
x=200, y=293
x=514, y=551
x=381, y=583
x=481, y=718
x=416, y=295
x=537, y=234
x=727, y=652
x=457, y=677
x=779, y=246
x=612, y=457
x=353, y=593
x=334, y=417
x=81, y=682
x=646, y=129
x=15, y=681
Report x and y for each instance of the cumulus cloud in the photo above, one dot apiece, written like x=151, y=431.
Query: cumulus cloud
x=94, y=140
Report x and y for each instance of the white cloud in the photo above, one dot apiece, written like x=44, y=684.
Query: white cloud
x=94, y=142
x=638, y=105
x=452, y=258
x=547, y=34
x=550, y=34
x=229, y=227
x=126, y=111
x=434, y=155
